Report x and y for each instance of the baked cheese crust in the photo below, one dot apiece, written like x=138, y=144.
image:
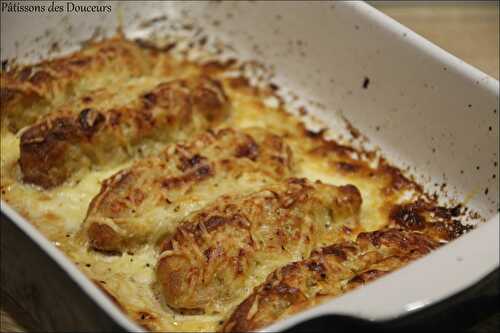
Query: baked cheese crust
x=328, y=272
x=205, y=264
x=32, y=91
x=190, y=199
x=146, y=201
x=65, y=142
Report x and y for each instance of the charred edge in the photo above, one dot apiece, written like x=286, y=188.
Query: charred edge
x=440, y=219
x=460, y=229
x=248, y=149
x=448, y=231
x=447, y=213
x=407, y=216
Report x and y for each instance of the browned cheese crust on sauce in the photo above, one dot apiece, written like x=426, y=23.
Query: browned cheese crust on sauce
x=210, y=182
x=65, y=142
x=330, y=271
x=208, y=261
x=29, y=92
x=143, y=202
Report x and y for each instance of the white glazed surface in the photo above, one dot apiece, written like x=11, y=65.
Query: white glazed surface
x=416, y=109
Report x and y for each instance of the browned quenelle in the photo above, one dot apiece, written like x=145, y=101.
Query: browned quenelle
x=66, y=142
x=142, y=203
x=29, y=92
x=329, y=271
x=218, y=253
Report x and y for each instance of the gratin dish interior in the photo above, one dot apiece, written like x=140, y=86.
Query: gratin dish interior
x=335, y=81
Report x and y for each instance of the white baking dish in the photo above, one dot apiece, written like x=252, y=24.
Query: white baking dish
x=423, y=107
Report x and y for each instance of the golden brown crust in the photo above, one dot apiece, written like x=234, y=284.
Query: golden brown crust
x=29, y=92
x=211, y=257
x=329, y=271
x=160, y=188
x=64, y=143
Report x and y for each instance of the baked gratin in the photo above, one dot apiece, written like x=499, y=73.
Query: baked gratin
x=193, y=202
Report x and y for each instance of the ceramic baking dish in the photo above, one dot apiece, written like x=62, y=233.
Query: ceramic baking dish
x=427, y=111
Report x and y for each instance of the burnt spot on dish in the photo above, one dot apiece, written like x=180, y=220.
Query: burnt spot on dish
x=366, y=82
